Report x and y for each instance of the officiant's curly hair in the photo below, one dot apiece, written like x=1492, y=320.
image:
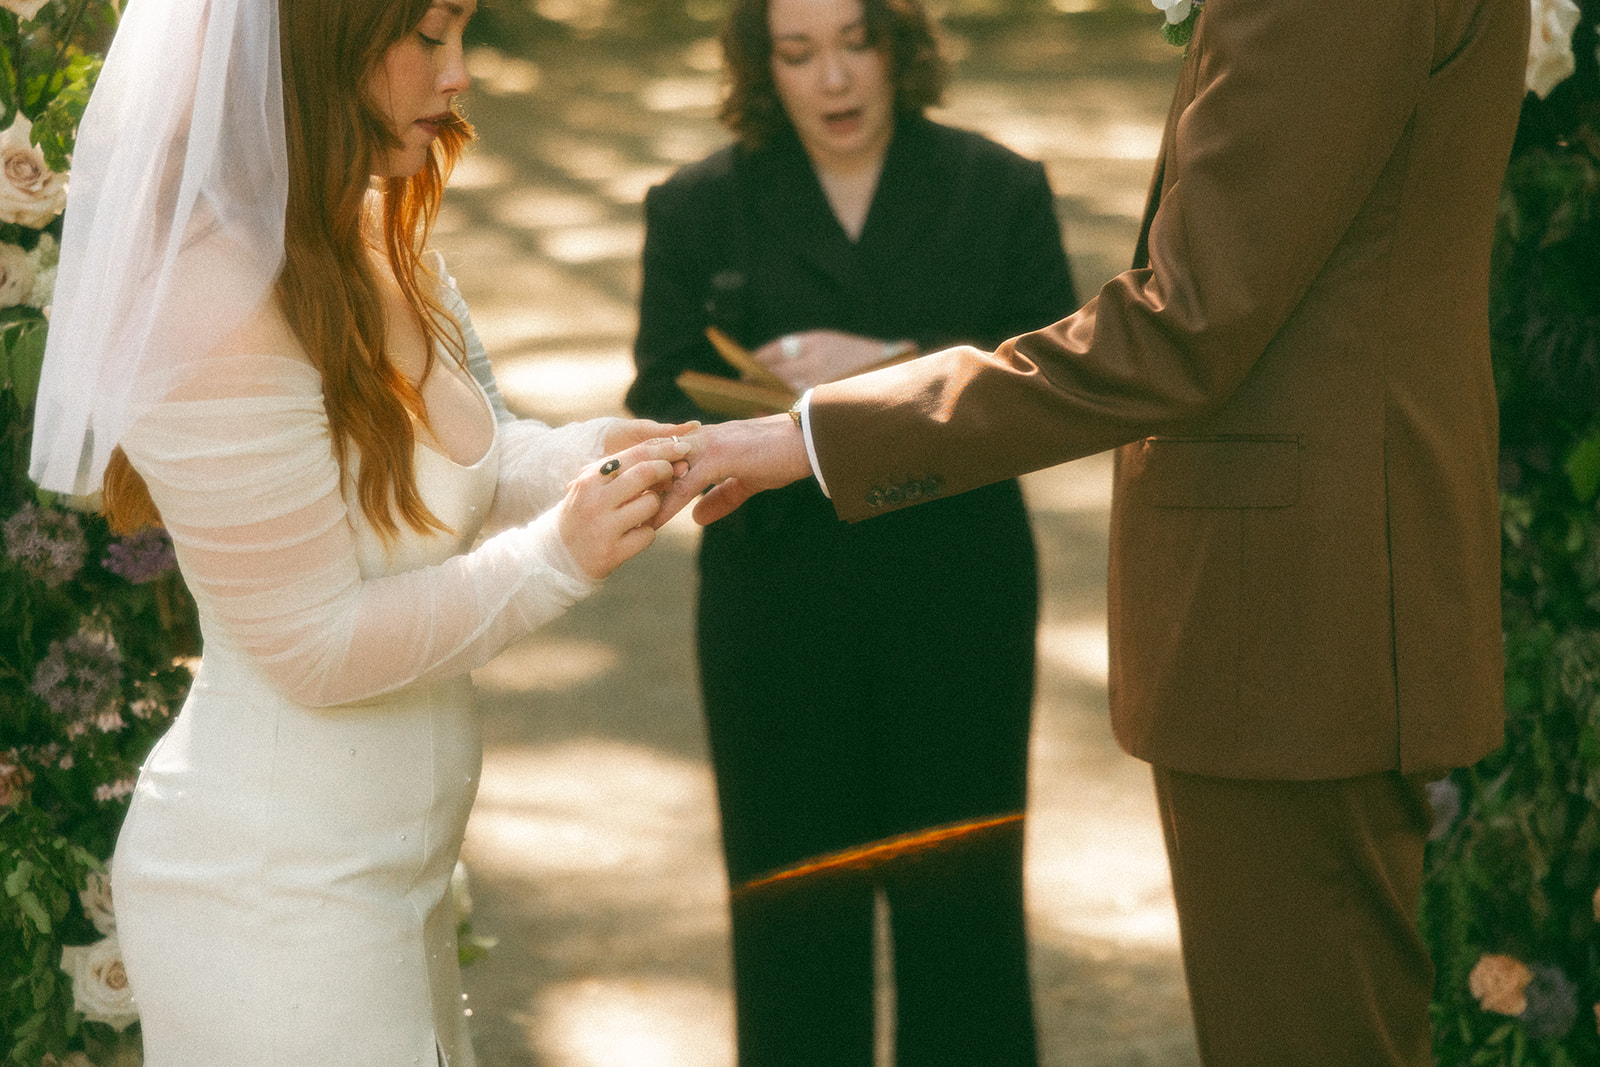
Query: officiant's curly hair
x=901, y=29
x=328, y=290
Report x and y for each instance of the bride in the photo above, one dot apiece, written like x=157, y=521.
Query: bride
x=250, y=346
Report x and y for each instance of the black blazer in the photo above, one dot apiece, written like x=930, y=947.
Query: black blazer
x=961, y=246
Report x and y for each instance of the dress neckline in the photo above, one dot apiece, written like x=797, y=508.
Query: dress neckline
x=444, y=359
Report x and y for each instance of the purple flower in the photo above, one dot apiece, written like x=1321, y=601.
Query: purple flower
x=143, y=557
x=81, y=680
x=1444, y=797
x=1552, y=1003
x=47, y=543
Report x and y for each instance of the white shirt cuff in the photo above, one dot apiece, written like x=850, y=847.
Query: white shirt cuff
x=804, y=406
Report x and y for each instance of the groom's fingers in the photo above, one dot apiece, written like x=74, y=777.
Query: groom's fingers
x=723, y=500
x=682, y=493
x=762, y=453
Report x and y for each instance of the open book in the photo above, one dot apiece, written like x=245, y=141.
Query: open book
x=757, y=391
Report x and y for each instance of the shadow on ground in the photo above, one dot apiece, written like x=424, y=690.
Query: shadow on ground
x=593, y=847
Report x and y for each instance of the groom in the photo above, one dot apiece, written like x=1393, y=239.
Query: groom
x=1304, y=583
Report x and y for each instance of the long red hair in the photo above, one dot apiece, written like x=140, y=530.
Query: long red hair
x=328, y=290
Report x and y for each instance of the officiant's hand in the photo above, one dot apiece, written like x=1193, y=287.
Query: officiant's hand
x=814, y=357
x=735, y=461
x=606, y=517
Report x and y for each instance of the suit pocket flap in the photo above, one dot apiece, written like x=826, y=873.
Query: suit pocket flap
x=1219, y=472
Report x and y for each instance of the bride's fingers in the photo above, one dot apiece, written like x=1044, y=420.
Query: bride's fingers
x=637, y=511
x=630, y=481
x=633, y=542
x=672, y=449
x=638, y=431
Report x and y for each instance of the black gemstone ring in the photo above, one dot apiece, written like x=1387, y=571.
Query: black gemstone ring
x=610, y=467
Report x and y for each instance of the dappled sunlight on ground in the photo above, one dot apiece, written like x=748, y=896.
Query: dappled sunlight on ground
x=594, y=845
x=1099, y=874
x=635, y=1023
x=614, y=814
x=549, y=665
x=1076, y=649
x=567, y=385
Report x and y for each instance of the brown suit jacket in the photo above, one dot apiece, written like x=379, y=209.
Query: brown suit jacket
x=1305, y=529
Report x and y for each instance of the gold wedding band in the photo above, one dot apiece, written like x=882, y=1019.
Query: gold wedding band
x=610, y=467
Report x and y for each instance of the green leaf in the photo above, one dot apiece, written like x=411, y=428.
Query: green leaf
x=1181, y=34
x=18, y=879
x=1583, y=468
x=35, y=911
x=43, y=989
x=24, y=349
x=1498, y=1037
x=33, y=1025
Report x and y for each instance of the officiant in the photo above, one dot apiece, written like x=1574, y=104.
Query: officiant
x=868, y=689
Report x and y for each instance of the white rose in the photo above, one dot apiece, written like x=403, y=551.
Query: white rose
x=74, y=1059
x=100, y=984
x=1175, y=10
x=1550, y=60
x=96, y=901
x=31, y=194
x=16, y=276
x=25, y=9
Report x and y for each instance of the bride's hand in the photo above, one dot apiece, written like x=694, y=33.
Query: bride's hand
x=605, y=516
x=623, y=434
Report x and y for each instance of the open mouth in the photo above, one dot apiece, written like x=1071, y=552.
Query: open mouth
x=843, y=121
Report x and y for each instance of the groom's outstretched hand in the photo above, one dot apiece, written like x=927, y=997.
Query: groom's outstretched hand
x=735, y=461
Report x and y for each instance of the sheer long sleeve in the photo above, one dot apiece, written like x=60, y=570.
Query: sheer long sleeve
x=240, y=465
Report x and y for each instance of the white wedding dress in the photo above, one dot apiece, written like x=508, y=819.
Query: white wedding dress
x=282, y=880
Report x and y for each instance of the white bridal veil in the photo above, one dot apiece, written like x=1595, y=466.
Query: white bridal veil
x=173, y=233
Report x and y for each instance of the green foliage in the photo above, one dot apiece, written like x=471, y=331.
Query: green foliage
x=1182, y=33
x=72, y=732
x=1516, y=872
x=41, y=875
x=56, y=125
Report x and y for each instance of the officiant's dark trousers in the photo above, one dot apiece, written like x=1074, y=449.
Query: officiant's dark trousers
x=1297, y=904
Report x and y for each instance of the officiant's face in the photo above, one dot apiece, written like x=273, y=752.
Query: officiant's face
x=413, y=86
x=833, y=80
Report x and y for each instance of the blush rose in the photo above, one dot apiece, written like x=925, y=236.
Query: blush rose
x=25, y=9
x=31, y=194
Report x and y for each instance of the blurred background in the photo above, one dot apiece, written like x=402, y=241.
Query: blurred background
x=593, y=850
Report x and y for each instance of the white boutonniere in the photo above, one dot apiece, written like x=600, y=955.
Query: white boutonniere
x=1181, y=17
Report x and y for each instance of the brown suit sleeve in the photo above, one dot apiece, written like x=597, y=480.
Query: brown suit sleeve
x=1287, y=113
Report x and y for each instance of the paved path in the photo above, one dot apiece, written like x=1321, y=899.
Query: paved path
x=593, y=848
